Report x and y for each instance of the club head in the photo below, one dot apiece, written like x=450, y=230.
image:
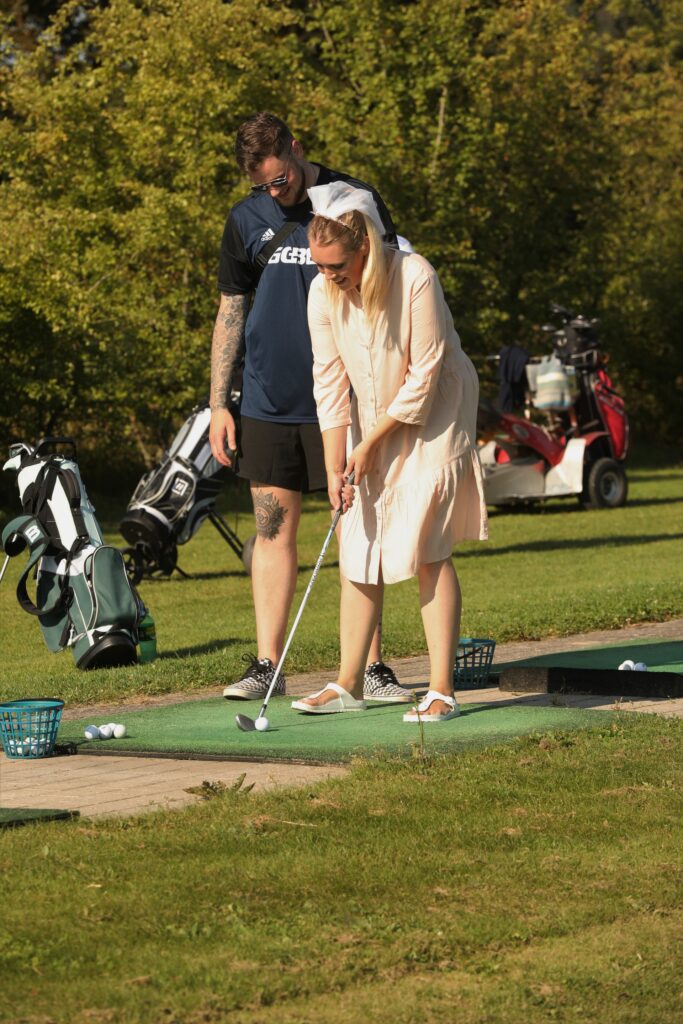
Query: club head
x=245, y=723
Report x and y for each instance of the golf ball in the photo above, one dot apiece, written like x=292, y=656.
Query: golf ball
x=262, y=724
x=119, y=732
x=105, y=732
x=640, y=666
x=627, y=666
x=91, y=732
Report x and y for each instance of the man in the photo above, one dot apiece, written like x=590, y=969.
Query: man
x=280, y=449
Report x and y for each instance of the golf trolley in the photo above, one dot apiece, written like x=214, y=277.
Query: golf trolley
x=172, y=501
x=580, y=446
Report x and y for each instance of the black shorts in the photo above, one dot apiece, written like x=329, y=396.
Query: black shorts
x=288, y=455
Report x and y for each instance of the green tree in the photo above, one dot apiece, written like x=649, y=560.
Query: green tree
x=115, y=175
x=529, y=149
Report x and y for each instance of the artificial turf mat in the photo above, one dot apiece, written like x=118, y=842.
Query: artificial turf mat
x=596, y=670
x=207, y=728
x=658, y=655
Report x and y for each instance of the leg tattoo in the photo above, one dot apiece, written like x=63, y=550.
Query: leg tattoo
x=270, y=515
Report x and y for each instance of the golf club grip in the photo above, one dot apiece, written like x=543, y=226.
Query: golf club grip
x=304, y=599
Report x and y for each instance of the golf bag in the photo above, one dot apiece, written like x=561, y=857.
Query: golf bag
x=552, y=384
x=83, y=599
x=172, y=501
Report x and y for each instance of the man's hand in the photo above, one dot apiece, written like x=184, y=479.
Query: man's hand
x=223, y=436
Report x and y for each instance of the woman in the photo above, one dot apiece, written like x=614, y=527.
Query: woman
x=381, y=327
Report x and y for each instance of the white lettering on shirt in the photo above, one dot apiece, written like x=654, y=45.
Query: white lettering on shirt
x=292, y=254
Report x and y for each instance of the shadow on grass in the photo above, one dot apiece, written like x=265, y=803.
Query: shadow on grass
x=211, y=647
x=221, y=574
x=565, y=507
x=325, y=565
x=644, y=476
x=540, y=546
x=644, y=502
x=218, y=574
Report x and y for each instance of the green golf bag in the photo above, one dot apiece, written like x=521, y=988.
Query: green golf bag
x=83, y=598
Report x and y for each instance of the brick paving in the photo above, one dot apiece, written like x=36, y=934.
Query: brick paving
x=103, y=785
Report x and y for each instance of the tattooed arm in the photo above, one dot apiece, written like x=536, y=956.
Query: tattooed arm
x=226, y=351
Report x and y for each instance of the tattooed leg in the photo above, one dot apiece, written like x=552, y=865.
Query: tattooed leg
x=274, y=564
x=269, y=513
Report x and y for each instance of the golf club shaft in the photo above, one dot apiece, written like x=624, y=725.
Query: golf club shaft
x=276, y=676
x=2, y=571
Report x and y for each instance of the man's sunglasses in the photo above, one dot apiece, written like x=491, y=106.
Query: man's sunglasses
x=276, y=182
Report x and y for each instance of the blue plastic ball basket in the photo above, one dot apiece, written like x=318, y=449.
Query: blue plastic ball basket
x=28, y=728
x=473, y=661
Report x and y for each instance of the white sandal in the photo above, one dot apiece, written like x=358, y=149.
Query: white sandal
x=342, y=702
x=421, y=714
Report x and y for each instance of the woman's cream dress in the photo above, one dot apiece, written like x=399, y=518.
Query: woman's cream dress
x=425, y=492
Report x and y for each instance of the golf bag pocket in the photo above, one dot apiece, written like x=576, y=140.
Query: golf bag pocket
x=553, y=390
x=102, y=609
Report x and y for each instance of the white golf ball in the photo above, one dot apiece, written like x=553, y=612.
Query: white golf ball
x=112, y=726
x=640, y=666
x=105, y=732
x=262, y=724
x=627, y=666
x=91, y=732
x=119, y=732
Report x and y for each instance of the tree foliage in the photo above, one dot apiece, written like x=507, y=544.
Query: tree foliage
x=530, y=149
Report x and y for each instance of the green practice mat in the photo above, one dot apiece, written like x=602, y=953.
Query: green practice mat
x=207, y=728
x=658, y=655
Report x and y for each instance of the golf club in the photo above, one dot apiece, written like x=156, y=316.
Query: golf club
x=244, y=722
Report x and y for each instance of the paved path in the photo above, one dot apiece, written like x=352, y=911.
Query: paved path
x=98, y=785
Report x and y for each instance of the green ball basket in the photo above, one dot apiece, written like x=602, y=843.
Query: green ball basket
x=473, y=661
x=28, y=728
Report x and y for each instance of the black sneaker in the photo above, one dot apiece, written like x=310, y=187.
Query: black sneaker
x=254, y=682
x=380, y=683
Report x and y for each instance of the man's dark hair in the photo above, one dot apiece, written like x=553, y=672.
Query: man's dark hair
x=260, y=136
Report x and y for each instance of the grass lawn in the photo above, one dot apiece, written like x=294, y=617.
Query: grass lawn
x=532, y=882
x=555, y=570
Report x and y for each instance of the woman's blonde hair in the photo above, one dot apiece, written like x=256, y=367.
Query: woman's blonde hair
x=351, y=230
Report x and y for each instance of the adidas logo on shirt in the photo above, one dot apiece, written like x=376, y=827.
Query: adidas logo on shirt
x=267, y=235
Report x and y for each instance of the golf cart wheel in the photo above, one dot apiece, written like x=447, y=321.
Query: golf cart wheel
x=606, y=485
x=248, y=553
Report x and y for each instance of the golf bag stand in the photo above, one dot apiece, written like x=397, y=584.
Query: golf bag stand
x=172, y=501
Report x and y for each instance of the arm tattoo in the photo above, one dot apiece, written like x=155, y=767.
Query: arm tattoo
x=269, y=513
x=227, y=346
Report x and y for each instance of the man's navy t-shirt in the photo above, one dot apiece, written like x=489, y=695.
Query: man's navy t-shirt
x=278, y=367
